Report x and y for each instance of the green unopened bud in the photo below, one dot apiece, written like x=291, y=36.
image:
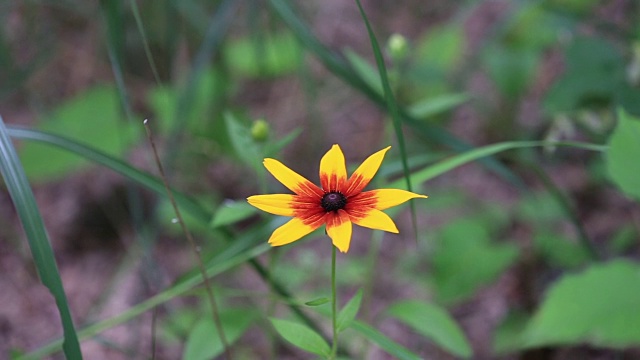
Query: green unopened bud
x=260, y=130
x=398, y=47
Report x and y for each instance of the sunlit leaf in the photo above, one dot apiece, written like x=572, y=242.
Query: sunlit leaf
x=95, y=118
x=624, y=153
x=598, y=306
x=301, y=336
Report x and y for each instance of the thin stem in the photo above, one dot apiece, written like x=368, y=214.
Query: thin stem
x=196, y=249
x=334, y=312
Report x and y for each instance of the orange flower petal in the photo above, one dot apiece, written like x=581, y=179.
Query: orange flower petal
x=373, y=219
x=277, y=204
x=333, y=170
x=339, y=229
x=293, y=230
x=381, y=198
x=291, y=179
x=365, y=172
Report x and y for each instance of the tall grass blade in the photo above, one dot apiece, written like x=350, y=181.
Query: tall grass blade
x=451, y=163
x=111, y=162
x=392, y=106
x=145, y=41
x=41, y=250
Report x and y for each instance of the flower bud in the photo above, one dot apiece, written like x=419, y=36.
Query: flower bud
x=260, y=130
x=397, y=46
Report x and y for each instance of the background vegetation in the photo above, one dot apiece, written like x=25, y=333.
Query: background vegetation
x=520, y=120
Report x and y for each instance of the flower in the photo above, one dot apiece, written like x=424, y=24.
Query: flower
x=339, y=203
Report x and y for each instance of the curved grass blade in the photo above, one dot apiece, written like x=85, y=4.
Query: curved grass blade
x=443, y=166
x=114, y=164
x=392, y=106
x=390, y=100
x=41, y=250
x=145, y=42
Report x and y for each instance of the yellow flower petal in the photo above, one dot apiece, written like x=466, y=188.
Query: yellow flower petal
x=339, y=230
x=291, y=231
x=382, y=198
x=373, y=219
x=277, y=204
x=333, y=170
x=365, y=172
x=291, y=179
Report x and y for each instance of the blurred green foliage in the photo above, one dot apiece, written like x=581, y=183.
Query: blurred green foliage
x=216, y=61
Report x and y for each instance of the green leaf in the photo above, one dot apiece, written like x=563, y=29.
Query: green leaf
x=318, y=302
x=203, y=342
x=367, y=72
x=598, y=306
x=560, y=251
x=442, y=47
x=301, y=336
x=391, y=347
x=511, y=68
x=434, y=323
x=349, y=312
x=243, y=144
x=624, y=151
x=231, y=212
x=95, y=118
x=43, y=256
x=436, y=105
x=272, y=55
x=465, y=258
x=594, y=72
x=508, y=336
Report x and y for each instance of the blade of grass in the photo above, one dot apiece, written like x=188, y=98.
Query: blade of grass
x=41, y=250
x=392, y=106
x=145, y=41
x=441, y=167
x=114, y=164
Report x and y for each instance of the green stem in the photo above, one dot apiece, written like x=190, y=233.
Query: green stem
x=334, y=312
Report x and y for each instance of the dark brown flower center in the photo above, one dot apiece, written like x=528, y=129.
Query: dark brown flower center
x=333, y=201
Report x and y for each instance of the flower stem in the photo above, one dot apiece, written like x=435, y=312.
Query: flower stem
x=334, y=312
